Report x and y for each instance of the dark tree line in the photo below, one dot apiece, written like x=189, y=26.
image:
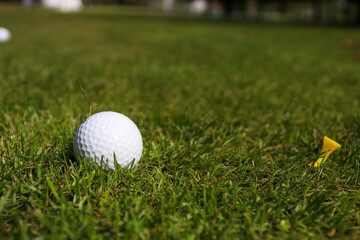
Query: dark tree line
x=230, y=6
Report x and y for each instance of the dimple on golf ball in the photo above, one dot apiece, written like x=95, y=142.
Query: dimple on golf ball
x=107, y=136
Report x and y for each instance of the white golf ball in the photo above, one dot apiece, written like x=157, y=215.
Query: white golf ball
x=107, y=136
x=4, y=35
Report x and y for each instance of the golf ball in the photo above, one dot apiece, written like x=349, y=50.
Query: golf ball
x=4, y=35
x=107, y=136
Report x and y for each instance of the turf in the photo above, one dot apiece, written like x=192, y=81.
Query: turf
x=230, y=113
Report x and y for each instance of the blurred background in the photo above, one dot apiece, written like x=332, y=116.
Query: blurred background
x=310, y=11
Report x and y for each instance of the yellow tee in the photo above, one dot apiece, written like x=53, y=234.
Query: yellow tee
x=329, y=146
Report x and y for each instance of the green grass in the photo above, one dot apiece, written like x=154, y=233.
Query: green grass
x=230, y=114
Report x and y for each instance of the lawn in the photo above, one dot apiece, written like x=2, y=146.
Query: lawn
x=230, y=113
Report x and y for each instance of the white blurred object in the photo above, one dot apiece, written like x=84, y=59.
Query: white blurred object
x=70, y=5
x=63, y=5
x=5, y=35
x=198, y=6
x=168, y=5
x=51, y=3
